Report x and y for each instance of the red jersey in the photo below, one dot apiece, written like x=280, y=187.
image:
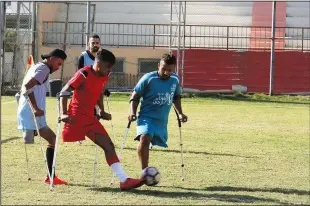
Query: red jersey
x=87, y=90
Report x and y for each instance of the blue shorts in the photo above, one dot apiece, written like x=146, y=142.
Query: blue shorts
x=157, y=131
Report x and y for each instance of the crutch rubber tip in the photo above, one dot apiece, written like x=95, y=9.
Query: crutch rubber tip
x=182, y=178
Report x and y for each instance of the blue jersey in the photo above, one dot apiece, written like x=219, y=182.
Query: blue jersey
x=157, y=96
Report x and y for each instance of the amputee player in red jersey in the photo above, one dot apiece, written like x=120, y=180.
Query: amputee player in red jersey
x=88, y=85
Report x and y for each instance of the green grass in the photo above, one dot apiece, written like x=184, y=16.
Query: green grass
x=235, y=152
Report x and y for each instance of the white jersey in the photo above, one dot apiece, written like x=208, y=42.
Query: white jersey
x=40, y=72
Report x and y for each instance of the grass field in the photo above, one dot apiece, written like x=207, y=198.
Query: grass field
x=235, y=152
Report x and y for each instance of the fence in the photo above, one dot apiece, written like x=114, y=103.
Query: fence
x=140, y=32
x=157, y=35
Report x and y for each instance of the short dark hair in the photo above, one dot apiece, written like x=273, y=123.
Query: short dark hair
x=95, y=36
x=168, y=59
x=105, y=56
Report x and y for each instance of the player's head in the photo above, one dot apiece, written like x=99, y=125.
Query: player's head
x=54, y=59
x=104, y=61
x=166, y=66
x=94, y=43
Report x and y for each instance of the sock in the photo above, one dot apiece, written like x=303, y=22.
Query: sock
x=117, y=168
x=50, y=156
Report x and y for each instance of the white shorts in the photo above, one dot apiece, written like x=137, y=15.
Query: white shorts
x=26, y=122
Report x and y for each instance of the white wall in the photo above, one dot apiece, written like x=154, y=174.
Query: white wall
x=24, y=9
x=210, y=13
x=197, y=13
x=298, y=15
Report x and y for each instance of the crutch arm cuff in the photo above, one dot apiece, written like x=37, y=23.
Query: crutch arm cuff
x=62, y=94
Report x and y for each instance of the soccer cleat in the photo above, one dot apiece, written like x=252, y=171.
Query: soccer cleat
x=56, y=181
x=131, y=183
x=79, y=142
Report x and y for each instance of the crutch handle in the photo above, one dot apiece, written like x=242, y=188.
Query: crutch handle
x=128, y=125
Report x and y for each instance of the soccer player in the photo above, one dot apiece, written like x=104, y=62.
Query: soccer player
x=87, y=85
x=159, y=90
x=87, y=58
x=35, y=86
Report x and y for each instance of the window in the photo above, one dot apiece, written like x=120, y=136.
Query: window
x=147, y=65
x=119, y=65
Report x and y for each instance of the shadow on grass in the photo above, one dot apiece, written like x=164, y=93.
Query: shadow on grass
x=178, y=151
x=245, y=189
x=9, y=139
x=190, y=152
x=194, y=195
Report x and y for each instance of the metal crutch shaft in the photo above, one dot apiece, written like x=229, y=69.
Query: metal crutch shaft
x=37, y=128
x=121, y=149
x=27, y=161
x=181, y=144
x=60, y=94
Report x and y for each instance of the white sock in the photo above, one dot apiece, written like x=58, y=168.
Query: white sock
x=118, y=170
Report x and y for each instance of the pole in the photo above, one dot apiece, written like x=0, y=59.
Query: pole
x=170, y=32
x=2, y=49
x=65, y=38
x=88, y=23
x=179, y=38
x=33, y=33
x=36, y=32
x=3, y=18
x=272, y=48
x=93, y=18
x=2, y=7
x=183, y=49
x=16, y=46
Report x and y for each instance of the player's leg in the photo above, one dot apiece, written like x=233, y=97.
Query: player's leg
x=145, y=133
x=48, y=134
x=100, y=137
x=28, y=136
x=143, y=149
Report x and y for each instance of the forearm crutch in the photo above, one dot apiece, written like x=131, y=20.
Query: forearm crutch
x=181, y=144
x=121, y=149
x=96, y=149
x=60, y=94
x=38, y=131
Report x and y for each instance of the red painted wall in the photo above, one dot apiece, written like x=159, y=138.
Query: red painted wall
x=262, y=17
x=220, y=69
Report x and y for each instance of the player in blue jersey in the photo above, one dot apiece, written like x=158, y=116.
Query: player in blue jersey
x=158, y=91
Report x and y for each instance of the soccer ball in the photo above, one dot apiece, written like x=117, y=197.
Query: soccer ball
x=151, y=176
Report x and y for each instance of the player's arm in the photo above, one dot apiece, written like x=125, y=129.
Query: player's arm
x=177, y=103
x=64, y=99
x=80, y=62
x=38, y=78
x=134, y=103
x=138, y=92
x=29, y=90
x=100, y=104
x=74, y=83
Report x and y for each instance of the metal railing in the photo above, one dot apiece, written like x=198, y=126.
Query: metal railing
x=196, y=36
